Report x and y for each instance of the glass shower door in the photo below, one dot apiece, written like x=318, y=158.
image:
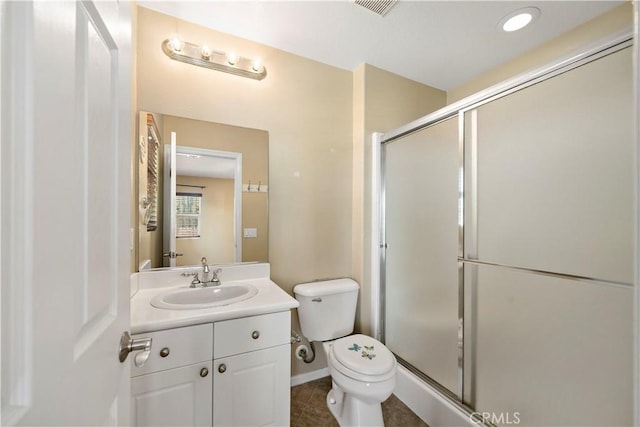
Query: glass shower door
x=421, y=231
x=514, y=292
x=549, y=249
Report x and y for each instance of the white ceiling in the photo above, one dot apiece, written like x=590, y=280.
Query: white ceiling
x=205, y=166
x=439, y=43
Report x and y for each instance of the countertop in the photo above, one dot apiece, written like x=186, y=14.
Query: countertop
x=146, y=318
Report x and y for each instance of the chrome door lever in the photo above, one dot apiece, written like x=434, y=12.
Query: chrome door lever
x=172, y=255
x=128, y=344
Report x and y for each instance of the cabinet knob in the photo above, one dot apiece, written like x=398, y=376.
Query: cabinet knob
x=255, y=335
x=222, y=368
x=204, y=372
x=164, y=352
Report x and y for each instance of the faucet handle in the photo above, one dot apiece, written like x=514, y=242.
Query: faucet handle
x=216, y=280
x=195, y=281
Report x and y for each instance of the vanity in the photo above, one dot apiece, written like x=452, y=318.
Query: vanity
x=226, y=364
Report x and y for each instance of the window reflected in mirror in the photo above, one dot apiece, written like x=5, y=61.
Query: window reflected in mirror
x=188, y=210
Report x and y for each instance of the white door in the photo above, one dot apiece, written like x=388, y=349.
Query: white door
x=65, y=211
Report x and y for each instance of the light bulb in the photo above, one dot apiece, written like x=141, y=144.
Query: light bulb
x=205, y=52
x=176, y=44
x=232, y=58
x=517, y=22
x=257, y=66
x=518, y=19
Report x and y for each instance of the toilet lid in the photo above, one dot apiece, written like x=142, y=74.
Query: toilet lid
x=363, y=354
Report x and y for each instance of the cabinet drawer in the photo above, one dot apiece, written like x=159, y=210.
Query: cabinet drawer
x=250, y=333
x=176, y=347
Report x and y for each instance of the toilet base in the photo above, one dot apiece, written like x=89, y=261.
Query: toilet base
x=349, y=411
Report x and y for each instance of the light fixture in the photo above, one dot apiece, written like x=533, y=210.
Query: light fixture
x=204, y=56
x=519, y=19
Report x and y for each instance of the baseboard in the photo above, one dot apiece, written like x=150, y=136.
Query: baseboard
x=309, y=376
x=427, y=403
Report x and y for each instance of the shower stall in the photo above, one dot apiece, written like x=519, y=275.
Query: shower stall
x=507, y=245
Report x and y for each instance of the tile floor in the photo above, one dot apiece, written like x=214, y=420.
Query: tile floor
x=309, y=408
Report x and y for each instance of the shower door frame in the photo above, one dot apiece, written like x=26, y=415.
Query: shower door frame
x=604, y=47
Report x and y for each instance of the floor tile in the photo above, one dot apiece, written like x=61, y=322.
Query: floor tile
x=309, y=408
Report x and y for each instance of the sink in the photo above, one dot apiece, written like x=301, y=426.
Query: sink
x=213, y=296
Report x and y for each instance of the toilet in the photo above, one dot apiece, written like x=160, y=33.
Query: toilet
x=363, y=370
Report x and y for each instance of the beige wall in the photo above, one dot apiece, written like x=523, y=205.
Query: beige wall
x=255, y=207
x=216, y=241
x=252, y=143
x=615, y=20
x=385, y=102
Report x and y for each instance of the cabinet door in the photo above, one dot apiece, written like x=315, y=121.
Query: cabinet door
x=155, y=398
x=252, y=388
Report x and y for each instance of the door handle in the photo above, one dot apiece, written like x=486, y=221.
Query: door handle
x=172, y=255
x=128, y=344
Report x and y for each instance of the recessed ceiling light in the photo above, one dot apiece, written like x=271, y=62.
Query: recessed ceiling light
x=519, y=19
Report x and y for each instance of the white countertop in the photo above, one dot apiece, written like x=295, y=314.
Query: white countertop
x=146, y=318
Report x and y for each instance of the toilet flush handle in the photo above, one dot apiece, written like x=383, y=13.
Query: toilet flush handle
x=316, y=300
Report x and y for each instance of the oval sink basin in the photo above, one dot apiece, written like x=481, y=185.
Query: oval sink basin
x=214, y=296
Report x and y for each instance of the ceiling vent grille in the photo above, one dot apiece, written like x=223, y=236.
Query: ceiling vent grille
x=380, y=7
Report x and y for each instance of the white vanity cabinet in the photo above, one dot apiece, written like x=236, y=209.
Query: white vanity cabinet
x=174, y=387
x=228, y=373
x=252, y=364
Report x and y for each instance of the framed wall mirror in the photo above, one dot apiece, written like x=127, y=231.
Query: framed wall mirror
x=210, y=198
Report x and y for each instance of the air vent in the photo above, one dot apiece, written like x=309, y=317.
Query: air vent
x=380, y=7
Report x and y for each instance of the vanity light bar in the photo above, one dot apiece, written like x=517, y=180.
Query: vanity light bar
x=204, y=56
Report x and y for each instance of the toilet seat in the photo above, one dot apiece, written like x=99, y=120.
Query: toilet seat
x=362, y=358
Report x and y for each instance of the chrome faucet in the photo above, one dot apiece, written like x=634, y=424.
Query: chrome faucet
x=215, y=280
x=205, y=270
x=205, y=267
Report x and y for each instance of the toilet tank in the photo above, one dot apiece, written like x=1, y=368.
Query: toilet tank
x=327, y=308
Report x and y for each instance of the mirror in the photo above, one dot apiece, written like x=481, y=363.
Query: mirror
x=217, y=206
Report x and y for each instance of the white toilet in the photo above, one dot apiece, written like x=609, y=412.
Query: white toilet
x=363, y=370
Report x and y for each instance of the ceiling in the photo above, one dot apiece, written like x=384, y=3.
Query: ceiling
x=205, y=166
x=439, y=43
